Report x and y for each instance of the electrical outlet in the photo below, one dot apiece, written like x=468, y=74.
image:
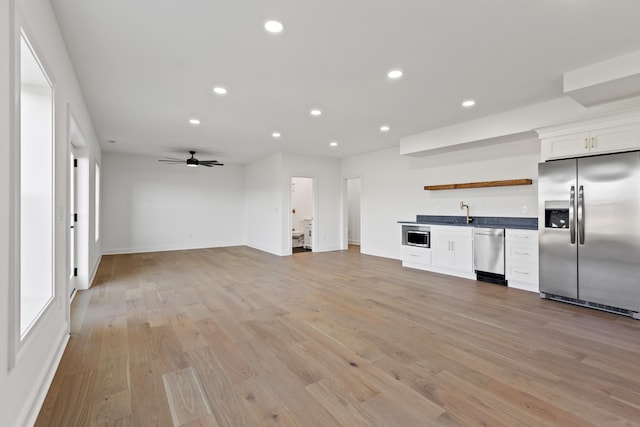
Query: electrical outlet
x=525, y=209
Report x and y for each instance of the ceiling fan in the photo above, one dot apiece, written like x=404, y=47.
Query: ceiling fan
x=193, y=162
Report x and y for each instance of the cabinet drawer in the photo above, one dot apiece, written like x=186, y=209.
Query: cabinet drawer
x=416, y=255
x=523, y=254
x=523, y=273
x=522, y=236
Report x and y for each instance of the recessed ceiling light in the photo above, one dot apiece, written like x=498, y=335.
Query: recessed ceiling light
x=468, y=103
x=273, y=26
x=384, y=128
x=194, y=121
x=333, y=144
x=219, y=90
x=276, y=135
x=316, y=113
x=394, y=74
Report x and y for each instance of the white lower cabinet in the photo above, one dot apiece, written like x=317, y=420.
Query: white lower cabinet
x=452, y=249
x=521, y=251
x=308, y=237
x=451, y=253
x=417, y=257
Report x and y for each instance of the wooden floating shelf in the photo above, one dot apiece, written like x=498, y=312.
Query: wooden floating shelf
x=504, y=183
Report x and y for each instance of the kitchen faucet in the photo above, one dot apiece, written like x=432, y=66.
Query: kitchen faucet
x=462, y=206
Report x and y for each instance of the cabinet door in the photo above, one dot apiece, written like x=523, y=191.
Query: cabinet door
x=565, y=146
x=452, y=248
x=440, y=249
x=613, y=139
x=462, y=250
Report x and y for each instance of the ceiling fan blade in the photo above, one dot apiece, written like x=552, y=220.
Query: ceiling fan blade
x=205, y=164
x=172, y=161
x=173, y=158
x=211, y=163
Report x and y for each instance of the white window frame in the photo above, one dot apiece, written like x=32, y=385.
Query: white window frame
x=17, y=339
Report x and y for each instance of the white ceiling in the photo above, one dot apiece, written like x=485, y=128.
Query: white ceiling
x=147, y=66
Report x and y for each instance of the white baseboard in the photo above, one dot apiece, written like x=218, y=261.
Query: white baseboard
x=94, y=270
x=524, y=286
x=145, y=249
x=31, y=411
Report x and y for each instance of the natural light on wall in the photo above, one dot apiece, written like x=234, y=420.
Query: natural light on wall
x=36, y=189
x=97, y=202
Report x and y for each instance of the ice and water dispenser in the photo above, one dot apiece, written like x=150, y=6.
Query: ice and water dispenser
x=556, y=214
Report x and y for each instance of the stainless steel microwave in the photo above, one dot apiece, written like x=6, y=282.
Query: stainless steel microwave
x=416, y=235
x=419, y=238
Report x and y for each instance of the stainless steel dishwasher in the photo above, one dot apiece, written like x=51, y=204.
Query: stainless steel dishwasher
x=488, y=255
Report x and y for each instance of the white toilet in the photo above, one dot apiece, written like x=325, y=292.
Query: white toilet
x=297, y=239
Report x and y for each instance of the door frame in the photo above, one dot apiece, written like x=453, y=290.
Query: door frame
x=72, y=263
x=314, y=210
x=345, y=210
x=79, y=148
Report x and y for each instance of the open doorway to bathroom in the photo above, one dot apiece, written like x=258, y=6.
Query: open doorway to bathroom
x=301, y=214
x=353, y=213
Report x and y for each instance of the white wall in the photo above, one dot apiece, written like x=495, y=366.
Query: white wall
x=153, y=206
x=392, y=187
x=263, y=203
x=353, y=210
x=268, y=206
x=301, y=201
x=8, y=414
x=327, y=218
x=33, y=362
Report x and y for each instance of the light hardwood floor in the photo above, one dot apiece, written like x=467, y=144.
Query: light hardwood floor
x=236, y=337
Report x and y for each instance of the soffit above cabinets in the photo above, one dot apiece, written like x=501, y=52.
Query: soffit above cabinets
x=598, y=89
x=606, y=81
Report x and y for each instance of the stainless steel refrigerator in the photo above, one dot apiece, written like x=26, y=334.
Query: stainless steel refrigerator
x=589, y=228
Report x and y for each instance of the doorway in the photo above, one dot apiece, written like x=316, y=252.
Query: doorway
x=302, y=218
x=78, y=204
x=73, y=220
x=353, y=205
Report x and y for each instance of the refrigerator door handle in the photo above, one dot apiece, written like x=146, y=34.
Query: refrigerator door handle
x=581, y=215
x=572, y=221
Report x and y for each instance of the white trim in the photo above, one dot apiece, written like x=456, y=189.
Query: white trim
x=30, y=411
x=439, y=270
x=523, y=286
x=331, y=249
x=166, y=248
x=92, y=277
x=22, y=34
x=263, y=250
x=13, y=302
x=314, y=210
x=345, y=242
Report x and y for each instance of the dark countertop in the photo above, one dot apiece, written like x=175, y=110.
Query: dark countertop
x=478, y=221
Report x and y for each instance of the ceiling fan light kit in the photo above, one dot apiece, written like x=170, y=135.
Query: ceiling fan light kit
x=192, y=162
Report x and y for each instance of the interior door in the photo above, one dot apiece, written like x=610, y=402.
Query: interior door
x=73, y=223
x=609, y=235
x=557, y=228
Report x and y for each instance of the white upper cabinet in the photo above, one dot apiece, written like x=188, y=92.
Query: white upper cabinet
x=610, y=134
